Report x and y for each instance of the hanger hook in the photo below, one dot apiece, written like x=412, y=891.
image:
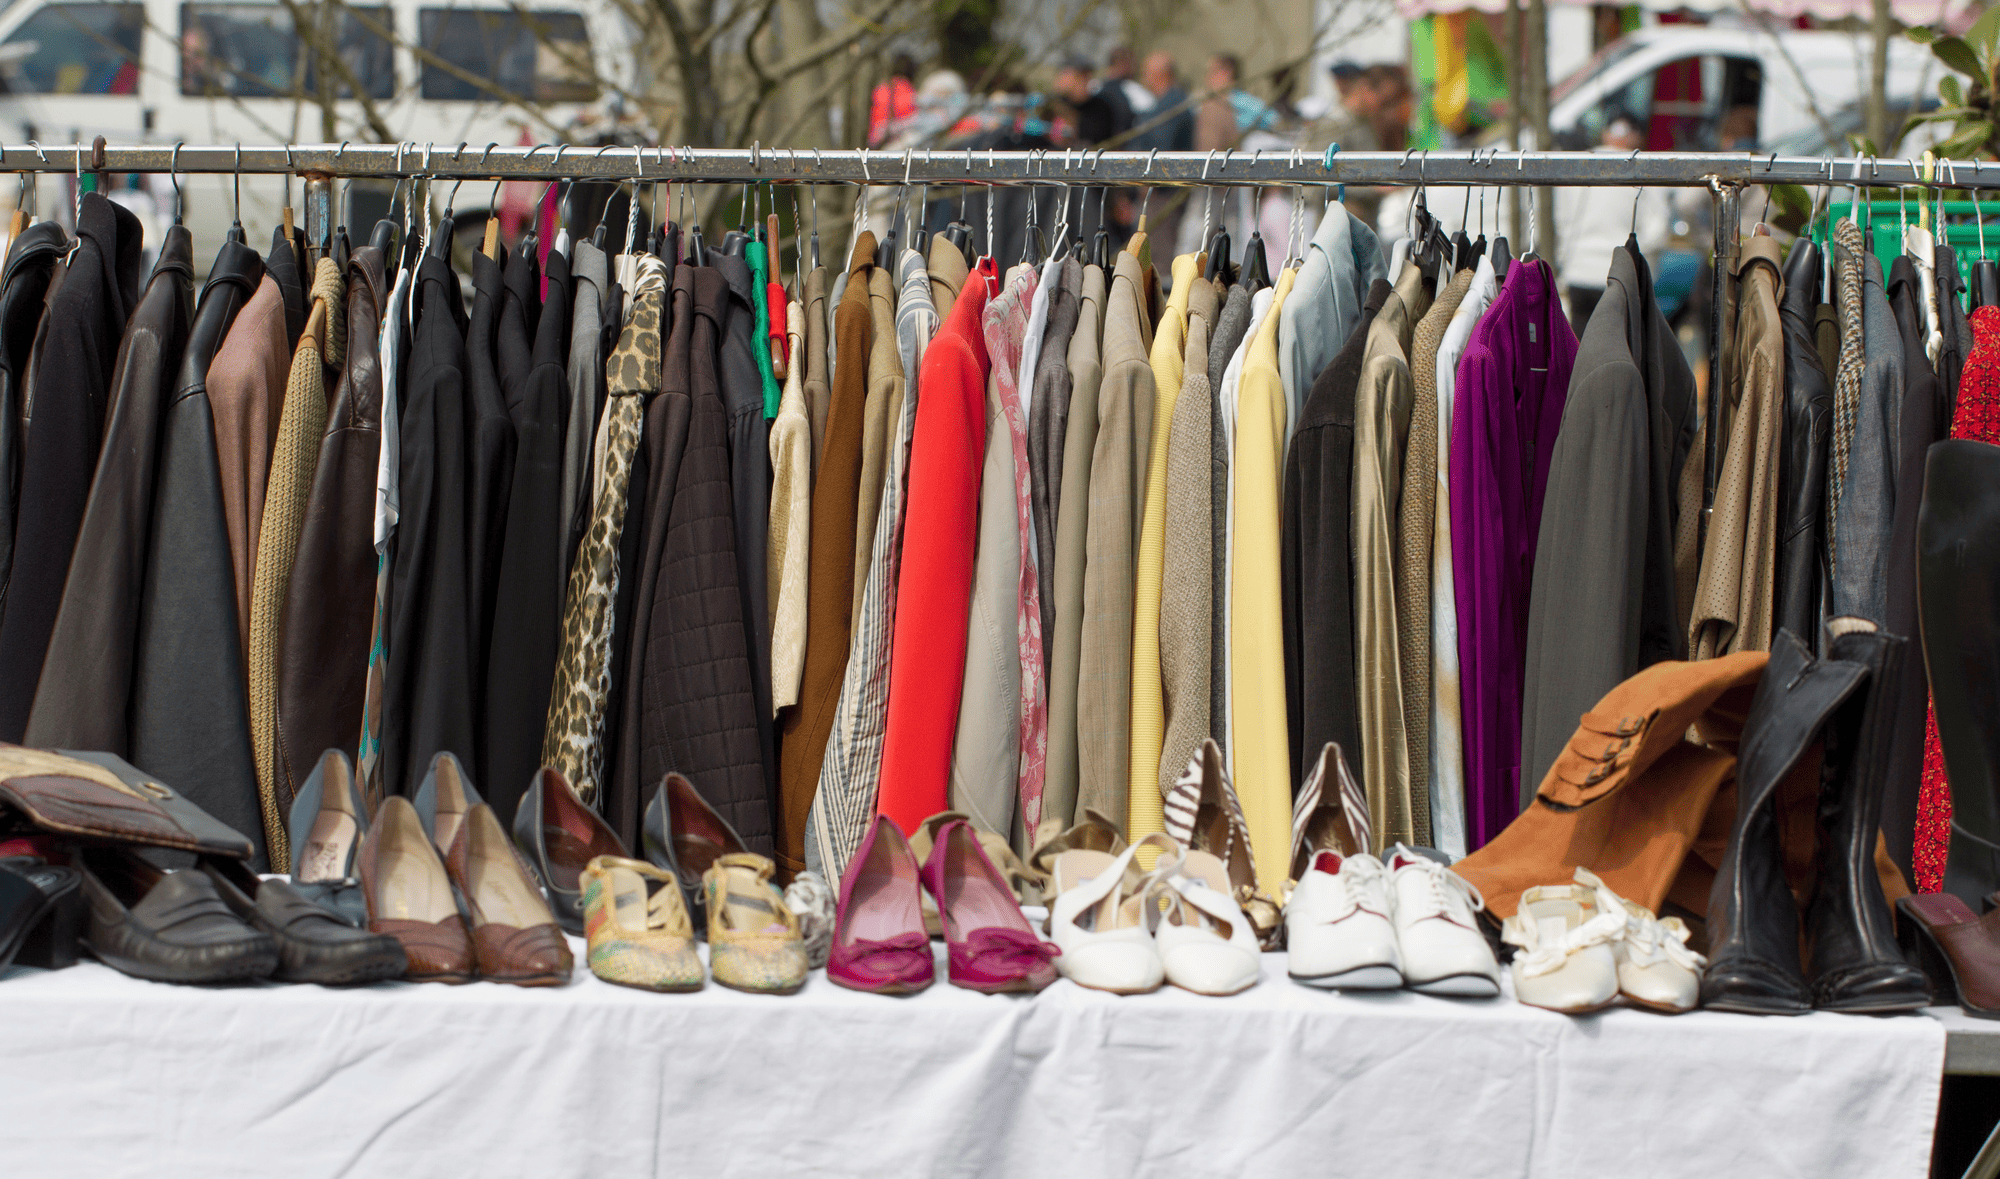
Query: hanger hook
x=173, y=175
x=237, y=195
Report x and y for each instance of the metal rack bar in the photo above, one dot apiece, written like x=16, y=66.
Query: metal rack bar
x=950, y=167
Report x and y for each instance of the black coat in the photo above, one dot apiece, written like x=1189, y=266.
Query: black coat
x=699, y=712
x=24, y=287
x=1802, y=463
x=1919, y=426
x=427, y=705
x=1671, y=426
x=490, y=446
x=85, y=695
x=750, y=487
x=288, y=271
x=665, y=439
x=190, y=697
x=330, y=599
x=1316, y=562
x=527, y=614
x=63, y=416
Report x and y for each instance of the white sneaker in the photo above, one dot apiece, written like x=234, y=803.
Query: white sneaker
x=1444, y=953
x=1101, y=918
x=1205, y=941
x=1565, y=933
x=1338, y=930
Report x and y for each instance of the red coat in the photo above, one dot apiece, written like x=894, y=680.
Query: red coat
x=927, y=659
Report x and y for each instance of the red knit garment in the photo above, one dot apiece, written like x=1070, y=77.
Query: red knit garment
x=1977, y=418
x=934, y=590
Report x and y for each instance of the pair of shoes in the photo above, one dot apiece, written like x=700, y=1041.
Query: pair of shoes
x=560, y=835
x=879, y=942
x=1848, y=702
x=1582, y=945
x=637, y=926
x=1356, y=923
x=1204, y=814
x=420, y=860
x=1126, y=931
x=1958, y=951
x=684, y=837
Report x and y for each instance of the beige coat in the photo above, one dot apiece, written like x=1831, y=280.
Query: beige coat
x=884, y=410
x=789, y=544
x=1065, y=646
x=1186, y=609
x=1117, y=501
x=1382, y=405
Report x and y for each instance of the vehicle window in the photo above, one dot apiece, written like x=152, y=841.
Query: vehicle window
x=1632, y=102
x=255, y=51
x=1706, y=104
x=538, y=56
x=75, y=49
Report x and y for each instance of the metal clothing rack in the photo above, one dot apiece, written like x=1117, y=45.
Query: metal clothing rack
x=1724, y=174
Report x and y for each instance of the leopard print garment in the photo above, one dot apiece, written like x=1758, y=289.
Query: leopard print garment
x=571, y=742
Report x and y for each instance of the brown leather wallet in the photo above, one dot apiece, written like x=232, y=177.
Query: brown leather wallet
x=98, y=796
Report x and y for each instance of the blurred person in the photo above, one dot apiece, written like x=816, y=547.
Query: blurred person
x=1093, y=116
x=1350, y=123
x=1392, y=102
x=1215, y=124
x=1596, y=221
x=1170, y=112
x=893, y=100
x=1120, y=70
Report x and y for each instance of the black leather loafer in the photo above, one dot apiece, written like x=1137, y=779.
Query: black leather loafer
x=167, y=926
x=560, y=835
x=315, y=945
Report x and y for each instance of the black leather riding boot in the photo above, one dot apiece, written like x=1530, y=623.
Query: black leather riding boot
x=1958, y=589
x=1856, y=965
x=1753, y=920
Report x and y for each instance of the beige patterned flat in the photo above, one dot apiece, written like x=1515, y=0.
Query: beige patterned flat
x=754, y=942
x=637, y=926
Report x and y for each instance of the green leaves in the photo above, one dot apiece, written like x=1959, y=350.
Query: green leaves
x=1952, y=93
x=1985, y=32
x=1957, y=53
x=1793, y=201
x=1921, y=34
x=1967, y=142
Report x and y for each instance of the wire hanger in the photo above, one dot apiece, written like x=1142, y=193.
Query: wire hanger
x=236, y=233
x=173, y=177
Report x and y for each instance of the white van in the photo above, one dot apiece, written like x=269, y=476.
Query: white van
x=162, y=71
x=1711, y=88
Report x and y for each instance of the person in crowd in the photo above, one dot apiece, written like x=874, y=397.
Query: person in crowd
x=1596, y=221
x=1215, y=125
x=1171, y=116
x=1120, y=70
x=1093, y=116
x=1351, y=124
x=1391, y=103
x=893, y=100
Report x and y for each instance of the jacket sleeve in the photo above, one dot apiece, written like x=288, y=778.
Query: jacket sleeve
x=1584, y=608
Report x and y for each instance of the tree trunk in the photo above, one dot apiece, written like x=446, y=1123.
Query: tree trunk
x=1881, y=28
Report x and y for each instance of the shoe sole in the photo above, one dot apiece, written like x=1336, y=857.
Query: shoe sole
x=1458, y=986
x=791, y=990
x=1662, y=1008
x=1572, y=1010
x=1361, y=978
x=1117, y=990
x=359, y=976
x=1736, y=1008
x=530, y=980
x=1217, y=994
x=450, y=980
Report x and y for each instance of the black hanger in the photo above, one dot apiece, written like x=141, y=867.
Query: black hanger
x=697, y=254
x=665, y=240
x=342, y=249
x=383, y=238
x=1985, y=283
x=1503, y=257
x=1256, y=272
x=1218, y=255
x=1461, y=247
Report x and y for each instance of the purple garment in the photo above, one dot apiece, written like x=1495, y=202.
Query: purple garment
x=1512, y=381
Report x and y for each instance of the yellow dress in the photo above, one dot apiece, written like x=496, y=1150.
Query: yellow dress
x=1256, y=608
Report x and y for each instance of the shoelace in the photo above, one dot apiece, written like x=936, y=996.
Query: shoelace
x=1442, y=887
x=1542, y=958
x=1648, y=939
x=1358, y=875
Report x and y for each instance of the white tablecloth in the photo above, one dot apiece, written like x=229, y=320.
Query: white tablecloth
x=107, y=1076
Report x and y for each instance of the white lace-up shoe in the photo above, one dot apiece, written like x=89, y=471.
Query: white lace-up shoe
x=1444, y=953
x=1338, y=928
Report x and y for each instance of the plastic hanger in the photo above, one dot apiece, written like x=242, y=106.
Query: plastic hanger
x=1100, y=241
x=734, y=240
x=958, y=233
x=1985, y=273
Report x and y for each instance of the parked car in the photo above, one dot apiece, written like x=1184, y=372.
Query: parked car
x=161, y=71
x=1709, y=88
